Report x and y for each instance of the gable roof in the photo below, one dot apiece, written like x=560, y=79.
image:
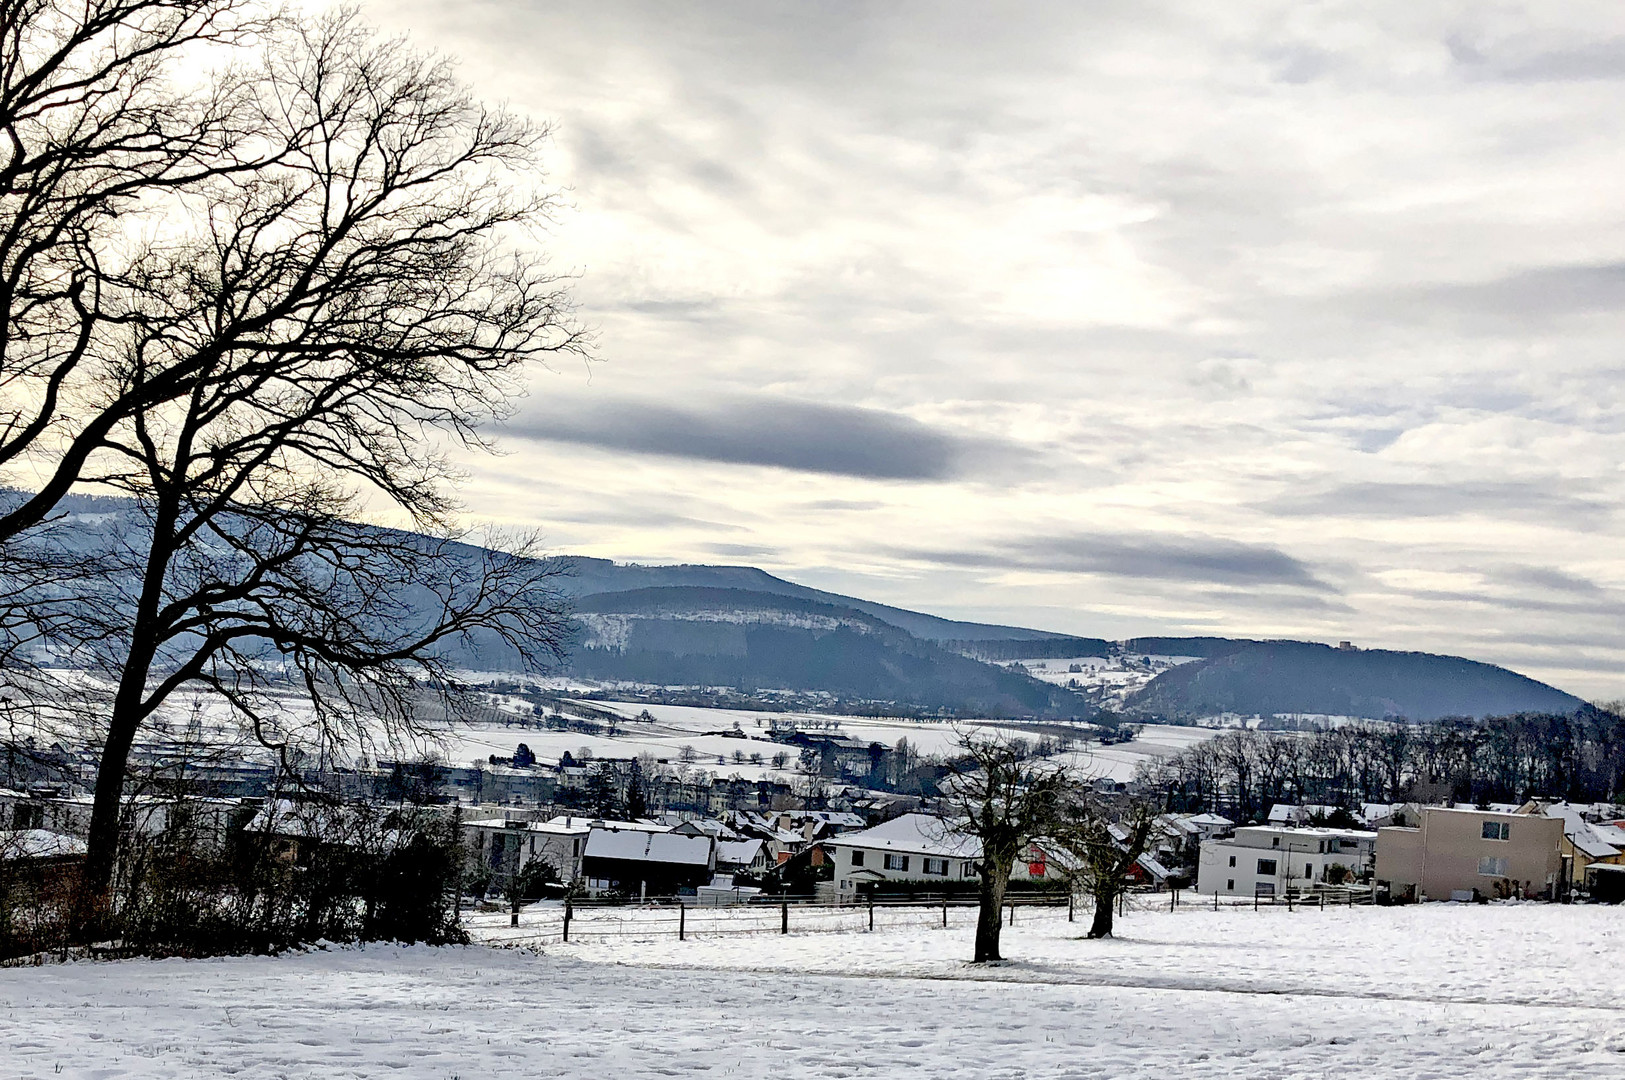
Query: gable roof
x=636, y=845
x=738, y=852
x=915, y=834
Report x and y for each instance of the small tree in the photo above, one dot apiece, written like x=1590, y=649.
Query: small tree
x=1004, y=800
x=603, y=796
x=637, y=795
x=1103, y=848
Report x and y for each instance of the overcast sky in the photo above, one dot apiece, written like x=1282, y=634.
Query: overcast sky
x=1116, y=319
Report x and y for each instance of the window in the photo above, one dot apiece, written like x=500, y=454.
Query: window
x=857, y=858
x=1497, y=830
x=1309, y=871
x=1493, y=866
x=1230, y=885
x=1275, y=841
x=936, y=866
x=896, y=862
x=970, y=869
x=1266, y=867
x=1264, y=888
x=1232, y=860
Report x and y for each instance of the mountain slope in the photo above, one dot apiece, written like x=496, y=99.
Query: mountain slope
x=1261, y=678
x=591, y=576
x=752, y=641
x=740, y=626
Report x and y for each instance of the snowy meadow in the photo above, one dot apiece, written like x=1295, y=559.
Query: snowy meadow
x=1436, y=991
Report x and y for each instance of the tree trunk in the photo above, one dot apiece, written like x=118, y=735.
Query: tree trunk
x=1105, y=906
x=125, y=720
x=989, y=921
x=102, y=842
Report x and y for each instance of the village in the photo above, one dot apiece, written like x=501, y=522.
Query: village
x=847, y=824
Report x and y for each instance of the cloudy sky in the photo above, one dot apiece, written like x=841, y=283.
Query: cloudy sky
x=1256, y=319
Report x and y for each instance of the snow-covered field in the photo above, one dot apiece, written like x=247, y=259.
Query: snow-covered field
x=679, y=726
x=1441, y=991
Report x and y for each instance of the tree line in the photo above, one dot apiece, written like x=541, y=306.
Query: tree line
x=1241, y=773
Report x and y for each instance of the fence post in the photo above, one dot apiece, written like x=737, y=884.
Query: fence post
x=1289, y=899
x=784, y=915
x=945, y=911
x=566, y=918
x=1012, y=913
x=1255, y=899
x=682, y=920
x=513, y=916
x=1173, y=899
x=1070, y=899
x=1322, y=899
x=1215, y=898
x=871, y=913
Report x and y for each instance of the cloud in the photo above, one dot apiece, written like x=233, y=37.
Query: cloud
x=1398, y=501
x=1586, y=61
x=1347, y=283
x=838, y=440
x=1201, y=560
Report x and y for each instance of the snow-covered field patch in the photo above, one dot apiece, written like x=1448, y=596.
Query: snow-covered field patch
x=1441, y=991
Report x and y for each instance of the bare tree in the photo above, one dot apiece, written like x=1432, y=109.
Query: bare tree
x=92, y=136
x=1005, y=800
x=1102, y=844
x=343, y=310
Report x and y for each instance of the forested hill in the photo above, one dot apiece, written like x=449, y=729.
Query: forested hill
x=752, y=641
x=1267, y=677
x=741, y=627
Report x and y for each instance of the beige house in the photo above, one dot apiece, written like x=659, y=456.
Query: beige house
x=1467, y=854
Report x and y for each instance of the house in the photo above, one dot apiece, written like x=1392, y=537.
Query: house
x=1292, y=814
x=742, y=857
x=1273, y=860
x=504, y=848
x=1176, y=839
x=19, y=810
x=37, y=859
x=636, y=862
x=915, y=849
x=1455, y=853
x=1584, y=843
x=781, y=844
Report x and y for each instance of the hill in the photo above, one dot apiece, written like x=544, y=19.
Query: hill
x=741, y=627
x=1265, y=677
x=751, y=641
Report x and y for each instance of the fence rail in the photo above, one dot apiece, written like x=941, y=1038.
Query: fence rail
x=682, y=918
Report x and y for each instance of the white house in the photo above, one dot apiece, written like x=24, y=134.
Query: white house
x=915, y=848
x=1270, y=860
x=504, y=847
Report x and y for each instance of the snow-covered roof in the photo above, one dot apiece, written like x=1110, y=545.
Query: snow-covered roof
x=918, y=834
x=1151, y=866
x=838, y=817
x=638, y=845
x=738, y=852
x=577, y=821
x=1591, y=840
x=1311, y=831
x=1210, y=820
x=38, y=844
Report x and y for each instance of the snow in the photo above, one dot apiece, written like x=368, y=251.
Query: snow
x=1439, y=991
x=643, y=846
x=919, y=834
x=38, y=844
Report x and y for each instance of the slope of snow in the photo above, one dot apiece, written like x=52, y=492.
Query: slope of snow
x=1435, y=992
